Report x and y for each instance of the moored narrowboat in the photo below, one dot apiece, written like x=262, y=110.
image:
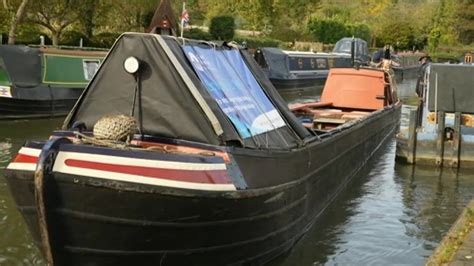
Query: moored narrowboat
x=293, y=70
x=43, y=82
x=440, y=130
x=195, y=159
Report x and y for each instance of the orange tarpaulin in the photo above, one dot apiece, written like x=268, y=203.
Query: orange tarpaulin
x=355, y=88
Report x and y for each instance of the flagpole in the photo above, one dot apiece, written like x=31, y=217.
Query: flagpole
x=182, y=20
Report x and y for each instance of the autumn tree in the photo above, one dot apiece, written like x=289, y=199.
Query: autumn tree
x=466, y=21
x=55, y=15
x=17, y=12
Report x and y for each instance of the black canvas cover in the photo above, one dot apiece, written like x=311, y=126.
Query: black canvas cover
x=276, y=61
x=23, y=65
x=451, y=88
x=168, y=107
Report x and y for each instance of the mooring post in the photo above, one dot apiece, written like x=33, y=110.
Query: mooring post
x=440, y=138
x=456, y=140
x=413, y=117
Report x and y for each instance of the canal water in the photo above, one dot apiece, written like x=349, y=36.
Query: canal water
x=391, y=213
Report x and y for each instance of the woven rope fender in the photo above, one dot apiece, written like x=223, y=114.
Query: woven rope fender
x=115, y=128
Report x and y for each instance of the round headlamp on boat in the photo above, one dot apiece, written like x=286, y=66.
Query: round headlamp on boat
x=131, y=65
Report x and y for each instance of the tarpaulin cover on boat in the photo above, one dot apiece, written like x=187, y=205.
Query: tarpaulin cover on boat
x=215, y=101
x=277, y=62
x=23, y=65
x=451, y=88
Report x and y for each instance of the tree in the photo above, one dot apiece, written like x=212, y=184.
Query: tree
x=55, y=15
x=222, y=27
x=327, y=30
x=16, y=18
x=466, y=22
x=359, y=30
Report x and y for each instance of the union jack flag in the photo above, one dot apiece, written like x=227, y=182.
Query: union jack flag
x=185, y=18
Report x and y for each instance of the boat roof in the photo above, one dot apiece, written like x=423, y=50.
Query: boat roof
x=191, y=90
x=450, y=88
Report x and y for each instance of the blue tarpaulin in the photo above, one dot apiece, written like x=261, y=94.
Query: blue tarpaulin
x=233, y=86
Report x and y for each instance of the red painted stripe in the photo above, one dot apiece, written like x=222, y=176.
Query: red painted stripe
x=22, y=158
x=207, y=177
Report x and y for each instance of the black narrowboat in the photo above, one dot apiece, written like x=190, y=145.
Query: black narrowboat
x=182, y=153
x=292, y=70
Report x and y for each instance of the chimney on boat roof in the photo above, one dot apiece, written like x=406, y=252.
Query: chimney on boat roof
x=164, y=20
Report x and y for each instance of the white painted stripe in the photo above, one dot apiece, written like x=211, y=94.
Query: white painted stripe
x=30, y=151
x=127, y=161
x=60, y=167
x=22, y=166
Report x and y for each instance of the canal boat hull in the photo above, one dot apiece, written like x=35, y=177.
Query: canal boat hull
x=93, y=221
x=189, y=188
x=18, y=108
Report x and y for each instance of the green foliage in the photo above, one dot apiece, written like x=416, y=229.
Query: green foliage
x=28, y=34
x=197, y=34
x=103, y=40
x=433, y=39
x=72, y=38
x=253, y=43
x=222, y=27
x=359, y=30
x=399, y=34
x=327, y=30
x=413, y=24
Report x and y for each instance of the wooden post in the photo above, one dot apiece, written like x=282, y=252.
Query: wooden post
x=411, y=149
x=440, y=138
x=456, y=140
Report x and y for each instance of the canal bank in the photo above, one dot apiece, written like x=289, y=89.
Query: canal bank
x=457, y=247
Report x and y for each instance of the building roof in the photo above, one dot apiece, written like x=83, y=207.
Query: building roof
x=163, y=18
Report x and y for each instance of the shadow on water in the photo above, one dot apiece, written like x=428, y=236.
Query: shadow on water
x=16, y=244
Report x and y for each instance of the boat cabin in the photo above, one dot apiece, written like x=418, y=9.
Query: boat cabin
x=361, y=50
x=292, y=69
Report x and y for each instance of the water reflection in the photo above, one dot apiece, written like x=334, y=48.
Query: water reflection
x=16, y=244
x=433, y=198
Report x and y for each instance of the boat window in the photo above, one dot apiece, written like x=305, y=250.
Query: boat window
x=306, y=63
x=322, y=63
x=235, y=89
x=90, y=68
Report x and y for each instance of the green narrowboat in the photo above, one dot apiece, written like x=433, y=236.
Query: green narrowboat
x=43, y=82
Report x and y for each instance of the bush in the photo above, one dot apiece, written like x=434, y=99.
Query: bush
x=359, y=30
x=253, y=43
x=73, y=38
x=327, y=30
x=222, y=28
x=30, y=35
x=197, y=34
